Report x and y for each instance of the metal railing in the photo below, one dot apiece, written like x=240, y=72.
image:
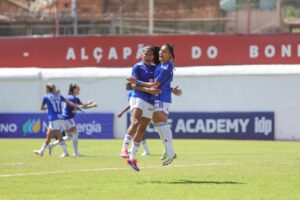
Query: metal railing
x=225, y=17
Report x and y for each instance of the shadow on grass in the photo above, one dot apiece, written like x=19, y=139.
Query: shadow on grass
x=155, y=155
x=195, y=182
x=85, y=156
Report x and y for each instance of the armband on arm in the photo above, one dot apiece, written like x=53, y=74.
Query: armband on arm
x=139, y=83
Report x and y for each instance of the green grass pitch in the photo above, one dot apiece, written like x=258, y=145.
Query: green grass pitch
x=204, y=169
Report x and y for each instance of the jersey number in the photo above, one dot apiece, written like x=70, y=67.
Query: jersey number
x=56, y=106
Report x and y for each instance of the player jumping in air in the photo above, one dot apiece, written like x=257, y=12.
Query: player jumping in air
x=53, y=102
x=144, y=142
x=162, y=79
x=68, y=115
x=141, y=102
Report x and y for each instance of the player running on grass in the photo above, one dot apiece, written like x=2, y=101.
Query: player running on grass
x=53, y=102
x=162, y=79
x=68, y=115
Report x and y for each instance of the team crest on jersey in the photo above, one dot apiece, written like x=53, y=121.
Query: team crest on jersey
x=165, y=67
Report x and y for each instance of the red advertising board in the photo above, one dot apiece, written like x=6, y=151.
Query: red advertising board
x=124, y=51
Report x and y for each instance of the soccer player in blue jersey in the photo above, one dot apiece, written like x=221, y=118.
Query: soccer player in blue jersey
x=53, y=102
x=141, y=102
x=68, y=115
x=162, y=79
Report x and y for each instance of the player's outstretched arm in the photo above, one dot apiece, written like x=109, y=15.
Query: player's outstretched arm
x=123, y=111
x=89, y=104
x=74, y=105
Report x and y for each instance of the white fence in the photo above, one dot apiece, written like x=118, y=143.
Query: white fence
x=205, y=89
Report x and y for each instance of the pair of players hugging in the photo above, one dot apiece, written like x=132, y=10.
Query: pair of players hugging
x=150, y=99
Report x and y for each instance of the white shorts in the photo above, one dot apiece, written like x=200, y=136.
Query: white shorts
x=68, y=123
x=161, y=106
x=56, y=124
x=146, y=107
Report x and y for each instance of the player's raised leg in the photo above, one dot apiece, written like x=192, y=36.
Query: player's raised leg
x=51, y=146
x=53, y=129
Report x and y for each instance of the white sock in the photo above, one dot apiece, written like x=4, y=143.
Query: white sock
x=54, y=144
x=145, y=146
x=64, y=147
x=127, y=140
x=134, y=150
x=43, y=147
x=168, y=137
x=131, y=146
x=66, y=138
x=161, y=135
x=75, y=142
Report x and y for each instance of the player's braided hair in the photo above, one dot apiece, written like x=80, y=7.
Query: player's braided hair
x=72, y=88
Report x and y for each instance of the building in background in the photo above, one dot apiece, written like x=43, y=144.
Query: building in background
x=102, y=17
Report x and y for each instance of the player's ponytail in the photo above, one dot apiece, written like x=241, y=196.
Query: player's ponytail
x=170, y=47
x=72, y=88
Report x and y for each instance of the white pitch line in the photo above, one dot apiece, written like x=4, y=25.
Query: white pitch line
x=102, y=169
x=10, y=164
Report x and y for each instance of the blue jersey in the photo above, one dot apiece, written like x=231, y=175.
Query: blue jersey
x=164, y=75
x=54, y=105
x=69, y=112
x=146, y=74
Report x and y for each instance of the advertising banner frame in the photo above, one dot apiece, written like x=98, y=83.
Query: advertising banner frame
x=34, y=125
x=219, y=125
